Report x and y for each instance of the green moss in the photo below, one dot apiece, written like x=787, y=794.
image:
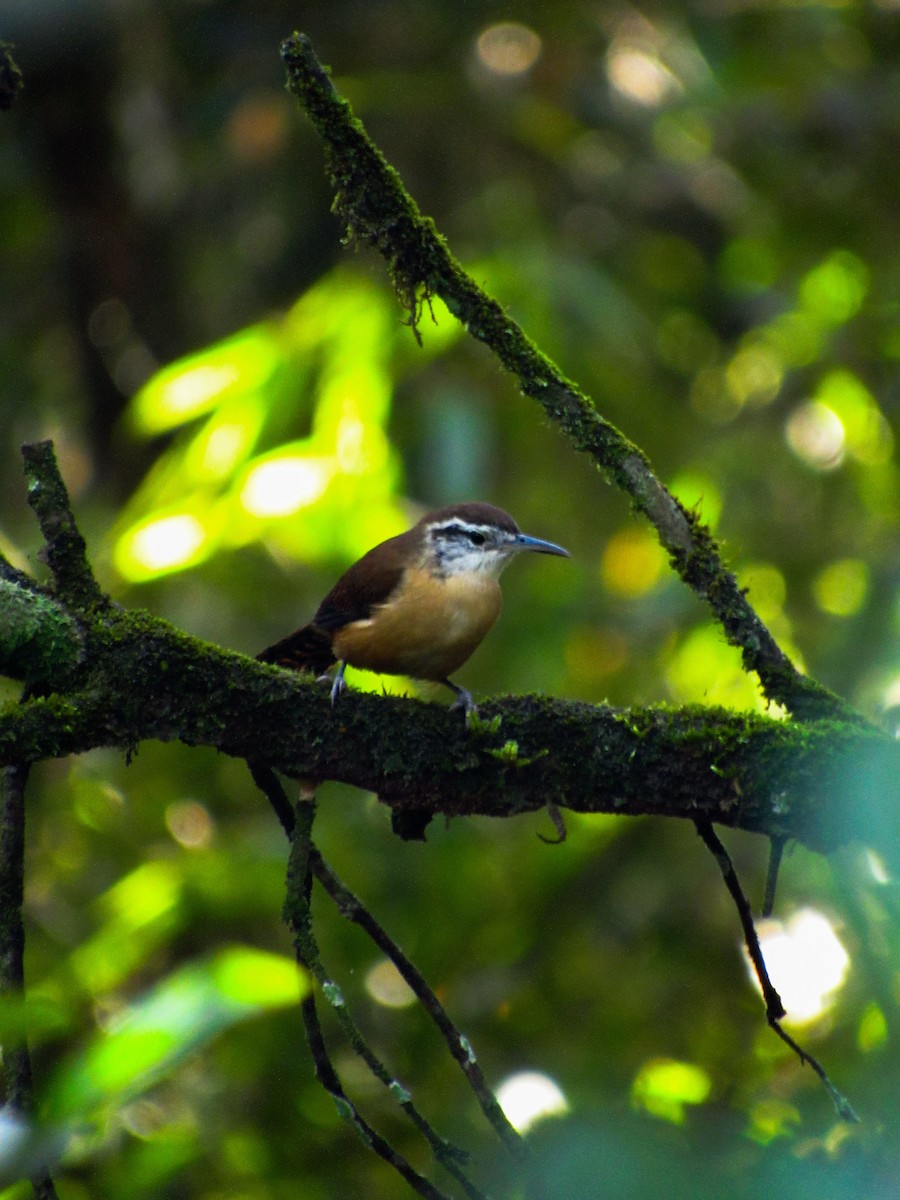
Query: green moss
x=39, y=641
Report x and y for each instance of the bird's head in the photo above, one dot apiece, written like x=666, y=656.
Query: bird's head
x=476, y=538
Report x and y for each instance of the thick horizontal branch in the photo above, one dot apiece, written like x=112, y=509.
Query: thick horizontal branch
x=143, y=679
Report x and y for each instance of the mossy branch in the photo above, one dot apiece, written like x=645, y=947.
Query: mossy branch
x=39, y=641
x=378, y=210
x=141, y=678
x=64, y=550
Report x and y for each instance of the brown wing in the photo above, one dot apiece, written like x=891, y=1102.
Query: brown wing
x=368, y=583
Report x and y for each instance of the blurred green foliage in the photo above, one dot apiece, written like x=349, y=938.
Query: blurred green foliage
x=692, y=208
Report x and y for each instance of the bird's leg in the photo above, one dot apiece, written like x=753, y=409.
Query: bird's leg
x=463, y=698
x=338, y=684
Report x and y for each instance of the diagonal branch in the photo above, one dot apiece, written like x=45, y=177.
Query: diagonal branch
x=371, y=198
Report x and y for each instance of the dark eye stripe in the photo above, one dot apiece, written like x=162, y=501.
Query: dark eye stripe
x=459, y=531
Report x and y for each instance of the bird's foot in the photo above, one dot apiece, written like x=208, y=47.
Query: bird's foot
x=463, y=699
x=337, y=684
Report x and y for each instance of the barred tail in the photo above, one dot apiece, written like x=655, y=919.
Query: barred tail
x=307, y=649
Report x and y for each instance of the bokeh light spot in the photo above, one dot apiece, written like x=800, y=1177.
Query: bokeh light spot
x=834, y=290
x=529, y=1096
x=795, y=337
x=754, y=375
x=190, y=824
x=806, y=961
x=704, y=669
x=772, y=1118
x=767, y=588
x=842, y=586
x=385, y=984
x=699, y=493
x=873, y=1030
x=508, y=48
x=632, y=562
x=639, y=75
x=665, y=1086
x=156, y=546
x=189, y=393
x=815, y=433
x=194, y=385
x=218, y=450
x=868, y=436
x=257, y=977
x=281, y=486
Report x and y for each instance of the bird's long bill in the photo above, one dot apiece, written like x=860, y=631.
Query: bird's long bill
x=524, y=542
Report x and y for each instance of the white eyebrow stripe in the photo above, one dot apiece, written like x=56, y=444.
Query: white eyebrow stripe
x=463, y=526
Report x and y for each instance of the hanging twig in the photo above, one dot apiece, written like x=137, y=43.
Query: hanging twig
x=16, y=1060
x=775, y=1009
x=270, y=786
x=354, y=910
x=299, y=917
x=776, y=852
x=329, y=1079
x=559, y=825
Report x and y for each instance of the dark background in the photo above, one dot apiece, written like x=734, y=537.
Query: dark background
x=693, y=209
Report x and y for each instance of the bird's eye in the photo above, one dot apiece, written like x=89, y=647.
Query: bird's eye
x=460, y=531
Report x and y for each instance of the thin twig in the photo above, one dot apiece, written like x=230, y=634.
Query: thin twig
x=16, y=1061
x=299, y=918
x=16, y=1068
x=270, y=786
x=354, y=910
x=774, y=1007
x=330, y=1081
x=559, y=825
x=843, y=1106
x=776, y=853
